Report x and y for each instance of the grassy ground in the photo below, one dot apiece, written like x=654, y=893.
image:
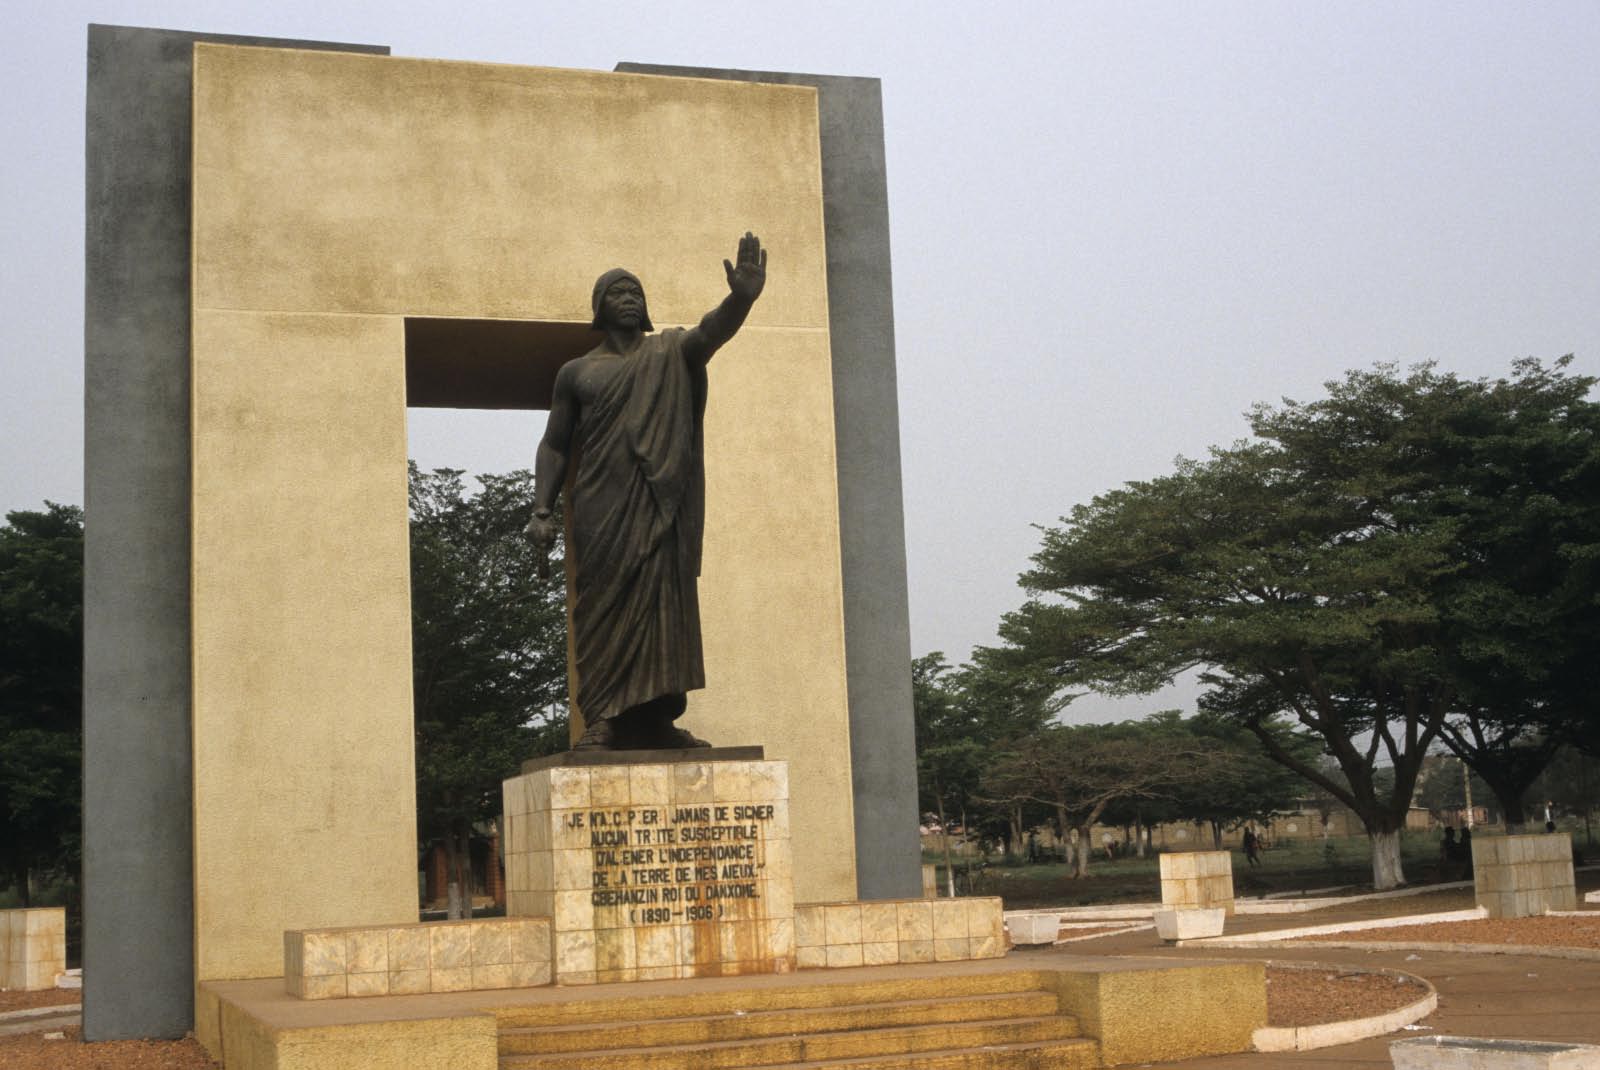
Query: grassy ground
x=1289, y=867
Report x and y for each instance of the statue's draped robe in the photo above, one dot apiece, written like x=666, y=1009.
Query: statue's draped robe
x=637, y=505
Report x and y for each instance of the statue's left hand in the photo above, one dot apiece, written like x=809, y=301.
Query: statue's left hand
x=747, y=278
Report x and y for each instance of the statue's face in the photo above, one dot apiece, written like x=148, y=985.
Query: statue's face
x=622, y=305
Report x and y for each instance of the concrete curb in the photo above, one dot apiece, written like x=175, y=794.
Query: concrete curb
x=26, y=1013
x=13, y=1023
x=1136, y=927
x=1582, y=954
x=1278, y=936
x=1302, y=906
x=1326, y=1035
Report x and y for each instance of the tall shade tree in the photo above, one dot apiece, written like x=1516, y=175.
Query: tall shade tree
x=489, y=652
x=41, y=694
x=1317, y=572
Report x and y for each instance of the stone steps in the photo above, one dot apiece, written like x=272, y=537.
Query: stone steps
x=605, y=1009
x=1057, y=1055
x=741, y=1025
x=995, y=1021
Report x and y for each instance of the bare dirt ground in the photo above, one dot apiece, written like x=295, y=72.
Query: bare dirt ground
x=1317, y=995
x=31, y=1051
x=1545, y=931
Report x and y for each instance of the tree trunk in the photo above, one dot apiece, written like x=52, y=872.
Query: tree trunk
x=1062, y=839
x=1386, y=871
x=1016, y=845
x=1080, y=861
x=1510, y=800
x=944, y=838
x=1216, y=835
x=465, y=856
x=452, y=874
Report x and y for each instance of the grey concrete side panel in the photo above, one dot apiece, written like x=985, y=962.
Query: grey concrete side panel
x=871, y=512
x=138, y=869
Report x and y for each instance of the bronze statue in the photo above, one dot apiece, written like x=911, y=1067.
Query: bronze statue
x=629, y=414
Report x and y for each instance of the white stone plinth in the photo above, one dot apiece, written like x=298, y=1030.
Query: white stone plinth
x=657, y=870
x=1474, y=1053
x=1190, y=924
x=1033, y=927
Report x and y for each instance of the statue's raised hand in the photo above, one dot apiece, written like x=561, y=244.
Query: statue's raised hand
x=747, y=278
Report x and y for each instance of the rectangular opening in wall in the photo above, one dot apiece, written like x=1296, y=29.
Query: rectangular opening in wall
x=488, y=364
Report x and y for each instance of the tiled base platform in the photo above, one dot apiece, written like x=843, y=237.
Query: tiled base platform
x=1062, y=1010
x=888, y=932
x=441, y=956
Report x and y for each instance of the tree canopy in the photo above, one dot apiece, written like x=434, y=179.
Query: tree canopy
x=41, y=693
x=488, y=648
x=1382, y=566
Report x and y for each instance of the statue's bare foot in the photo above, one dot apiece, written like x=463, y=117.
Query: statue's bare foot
x=598, y=736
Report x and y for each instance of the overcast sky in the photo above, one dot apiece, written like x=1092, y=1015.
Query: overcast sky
x=1114, y=227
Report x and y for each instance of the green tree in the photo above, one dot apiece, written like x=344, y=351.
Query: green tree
x=1319, y=572
x=1239, y=783
x=488, y=652
x=962, y=716
x=41, y=696
x=950, y=754
x=1518, y=466
x=1079, y=771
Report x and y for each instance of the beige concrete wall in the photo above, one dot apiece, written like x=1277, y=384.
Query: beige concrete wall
x=336, y=194
x=303, y=788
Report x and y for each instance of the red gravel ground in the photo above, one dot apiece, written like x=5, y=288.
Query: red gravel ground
x=1580, y=932
x=50, y=997
x=31, y=1051
x=1312, y=996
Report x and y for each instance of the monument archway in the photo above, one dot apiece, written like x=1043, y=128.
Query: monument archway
x=362, y=228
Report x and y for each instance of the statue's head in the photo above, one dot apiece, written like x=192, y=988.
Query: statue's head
x=619, y=302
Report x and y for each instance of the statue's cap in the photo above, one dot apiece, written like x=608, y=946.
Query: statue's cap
x=604, y=283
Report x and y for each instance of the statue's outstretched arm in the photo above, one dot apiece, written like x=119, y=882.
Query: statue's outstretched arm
x=745, y=282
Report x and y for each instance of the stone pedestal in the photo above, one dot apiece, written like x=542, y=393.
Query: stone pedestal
x=654, y=864
x=1172, y=925
x=1195, y=880
x=1483, y=1053
x=1522, y=876
x=33, y=948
